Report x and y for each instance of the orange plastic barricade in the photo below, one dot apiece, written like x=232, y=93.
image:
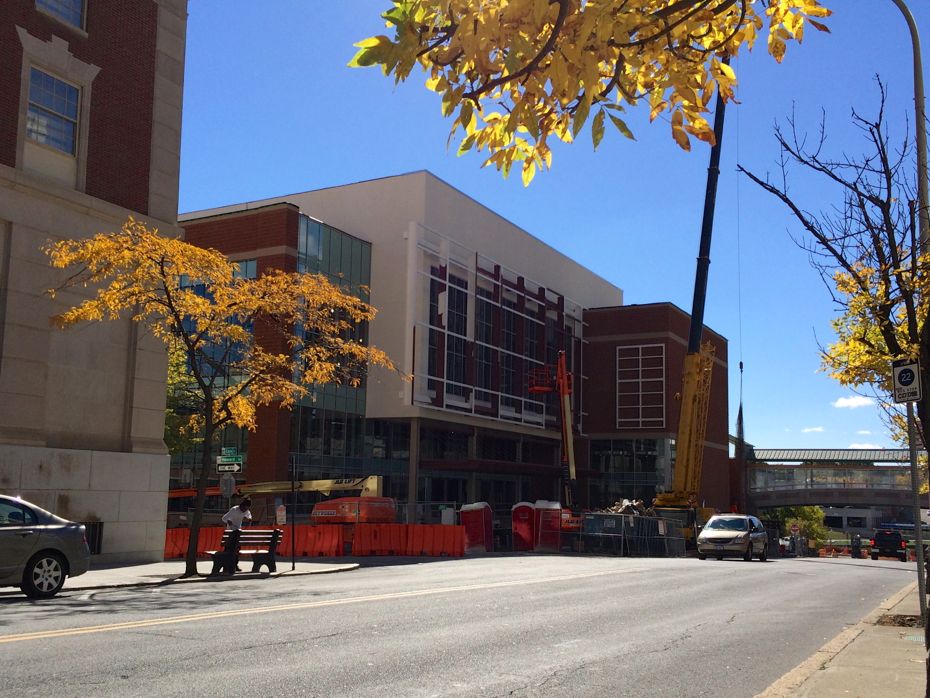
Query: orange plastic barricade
x=450, y=540
x=176, y=540
x=376, y=540
x=209, y=539
x=459, y=541
x=313, y=539
x=397, y=534
x=414, y=539
x=439, y=540
x=361, y=541
x=337, y=534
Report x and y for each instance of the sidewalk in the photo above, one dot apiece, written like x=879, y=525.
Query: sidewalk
x=867, y=659
x=170, y=571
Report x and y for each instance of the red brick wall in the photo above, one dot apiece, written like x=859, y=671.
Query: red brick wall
x=121, y=41
x=659, y=323
x=244, y=234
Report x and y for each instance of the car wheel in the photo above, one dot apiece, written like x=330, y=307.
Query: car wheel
x=763, y=554
x=44, y=576
x=702, y=556
x=747, y=556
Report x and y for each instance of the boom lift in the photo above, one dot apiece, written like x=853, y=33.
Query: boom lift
x=367, y=486
x=540, y=381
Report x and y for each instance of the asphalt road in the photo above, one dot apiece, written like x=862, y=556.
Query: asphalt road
x=492, y=626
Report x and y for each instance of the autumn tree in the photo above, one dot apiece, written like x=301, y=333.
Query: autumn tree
x=810, y=521
x=864, y=246
x=517, y=75
x=191, y=299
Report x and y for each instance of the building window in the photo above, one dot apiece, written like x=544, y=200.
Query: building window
x=247, y=269
x=641, y=387
x=53, y=112
x=70, y=11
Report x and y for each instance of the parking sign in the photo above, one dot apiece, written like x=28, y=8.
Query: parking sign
x=906, y=377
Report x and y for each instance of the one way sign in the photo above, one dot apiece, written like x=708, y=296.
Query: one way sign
x=906, y=377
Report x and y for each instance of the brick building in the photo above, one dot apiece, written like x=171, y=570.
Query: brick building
x=468, y=304
x=90, y=118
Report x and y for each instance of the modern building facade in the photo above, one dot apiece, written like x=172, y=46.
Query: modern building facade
x=635, y=357
x=468, y=306
x=90, y=120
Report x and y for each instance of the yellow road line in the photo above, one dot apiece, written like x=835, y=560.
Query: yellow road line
x=131, y=625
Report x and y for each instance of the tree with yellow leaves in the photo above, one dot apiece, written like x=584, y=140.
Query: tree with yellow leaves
x=519, y=74
x=865, y=247
x=245, y=342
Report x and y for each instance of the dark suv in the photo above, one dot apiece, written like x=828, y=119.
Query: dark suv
x=890, y=544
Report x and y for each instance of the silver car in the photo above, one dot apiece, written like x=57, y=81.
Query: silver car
x=38, y=550
x=733, y=535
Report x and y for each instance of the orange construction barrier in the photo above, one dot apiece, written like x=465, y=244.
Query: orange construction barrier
x=361, y=541
x=458, y=541
x=176, y=540
x=209, y=539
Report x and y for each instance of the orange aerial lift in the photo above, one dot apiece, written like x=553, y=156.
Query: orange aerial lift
x=540, y=380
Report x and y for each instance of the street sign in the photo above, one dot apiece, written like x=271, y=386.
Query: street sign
x=229, y=451
x=227, y=485
x=229, y=468
x=906, y=377
x=795, y=529
x=229, y=459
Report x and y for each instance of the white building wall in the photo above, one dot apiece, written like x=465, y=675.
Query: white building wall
x=398, y=215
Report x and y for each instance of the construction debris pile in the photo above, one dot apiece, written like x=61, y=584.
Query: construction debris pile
x=635, y=507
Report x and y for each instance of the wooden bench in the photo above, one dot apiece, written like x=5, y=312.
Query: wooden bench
x=258, y=544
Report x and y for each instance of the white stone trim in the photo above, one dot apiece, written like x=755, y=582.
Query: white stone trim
x=55, y=57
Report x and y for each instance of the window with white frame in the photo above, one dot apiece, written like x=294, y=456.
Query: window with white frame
x=641, y=386
x=52, y=116
x=68, y=11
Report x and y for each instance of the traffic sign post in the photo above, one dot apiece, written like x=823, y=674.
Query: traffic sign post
x=905, y=375
x=228, y=464
x=906, y=378
x=227, y=485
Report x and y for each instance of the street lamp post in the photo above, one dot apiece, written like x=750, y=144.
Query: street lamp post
x=923, y=211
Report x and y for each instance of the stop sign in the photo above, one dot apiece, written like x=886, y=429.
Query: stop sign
x=795, y=528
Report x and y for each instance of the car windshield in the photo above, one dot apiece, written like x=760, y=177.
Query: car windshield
x=727, y=524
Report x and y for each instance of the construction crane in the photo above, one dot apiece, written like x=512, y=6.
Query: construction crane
x=367, y=486
x=698, y=368
x=540, y=381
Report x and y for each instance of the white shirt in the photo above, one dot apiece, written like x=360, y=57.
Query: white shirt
x=235, y=516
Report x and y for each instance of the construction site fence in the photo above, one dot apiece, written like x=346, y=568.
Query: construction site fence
x=333, y=540
x=626, y=535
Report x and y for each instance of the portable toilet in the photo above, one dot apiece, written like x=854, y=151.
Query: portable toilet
x=548, y=525
x=523, y=525
x=478, y=521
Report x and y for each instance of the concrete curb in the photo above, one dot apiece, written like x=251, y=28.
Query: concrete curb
x=219, y=579
x=792, y=681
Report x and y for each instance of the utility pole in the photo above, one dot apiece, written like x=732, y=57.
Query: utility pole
x=920, y=116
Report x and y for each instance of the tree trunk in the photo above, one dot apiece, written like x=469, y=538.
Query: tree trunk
x=206, y=466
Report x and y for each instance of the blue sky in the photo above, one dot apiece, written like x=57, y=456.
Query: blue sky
x=271, y=108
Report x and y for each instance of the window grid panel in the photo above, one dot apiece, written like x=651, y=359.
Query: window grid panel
x=443, y=318
x=52, y=113
x=640, y=386
x=70, y=11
